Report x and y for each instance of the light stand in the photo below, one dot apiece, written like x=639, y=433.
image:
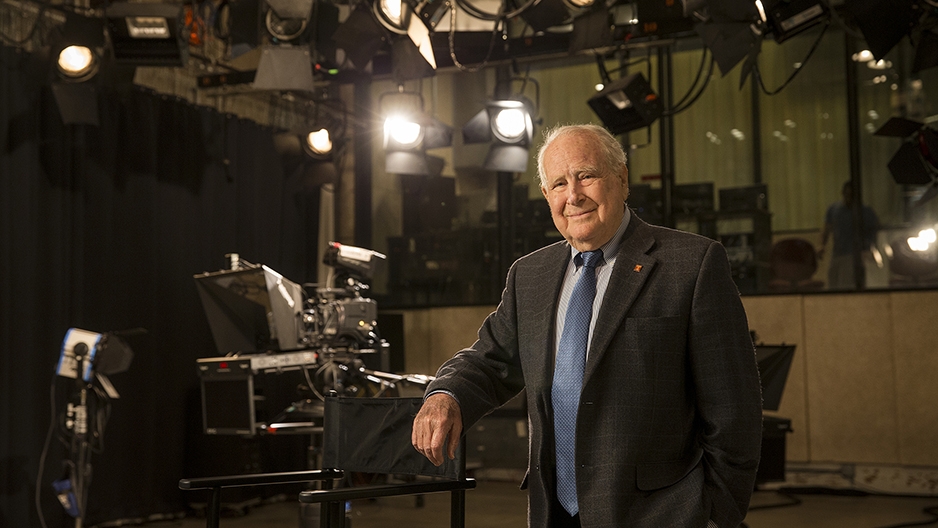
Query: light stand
x=87, y=357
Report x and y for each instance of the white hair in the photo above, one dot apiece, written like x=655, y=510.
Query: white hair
x=611, y=154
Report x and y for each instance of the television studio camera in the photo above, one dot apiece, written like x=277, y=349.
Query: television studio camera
x=263, y=323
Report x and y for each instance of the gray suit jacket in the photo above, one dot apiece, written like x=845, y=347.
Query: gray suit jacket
x=669, y=425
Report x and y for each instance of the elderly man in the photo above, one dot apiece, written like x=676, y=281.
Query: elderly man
x=642, y=389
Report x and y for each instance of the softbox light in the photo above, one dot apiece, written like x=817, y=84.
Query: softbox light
x=252, y=309
x=284, y=68
x=626, y=104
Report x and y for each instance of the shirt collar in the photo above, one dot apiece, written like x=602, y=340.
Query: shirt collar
x=610, y=248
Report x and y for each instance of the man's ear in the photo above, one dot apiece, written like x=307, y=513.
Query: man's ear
x=544, y=191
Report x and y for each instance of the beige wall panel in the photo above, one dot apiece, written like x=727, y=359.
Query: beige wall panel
x=916, y=356
x=432, y=336
x=851, y=379
x=417, y=342
x=779, y=319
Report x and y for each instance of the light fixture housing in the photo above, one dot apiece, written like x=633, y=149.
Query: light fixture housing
x=284, y=68
x=787, y=18
x=78, y=48
x=146, y=34
x=318, y=144
x=360, y=37
x=916, y=161
x=626, y=104
x=406, y=139
x=509, y=125
x=77, y=63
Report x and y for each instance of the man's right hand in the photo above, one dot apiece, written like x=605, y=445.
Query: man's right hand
x=438, y=423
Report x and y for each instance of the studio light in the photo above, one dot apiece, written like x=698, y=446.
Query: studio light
x=883, y=23
x=731, y=29
x=543, y=14
x=787, y=18
x=78, y=49
x=77, y=102
x=407, y=137
x=916, y=161
x=914, y=257
x=287, y=20
x=360, y=37
x=319, y=143
x=626, y=104
x=284, y=68
x=77, y=63
x=146, y=34
x=593, y=28
x=401, y=133
x=509, y=125
x=393, y=14
x=308, y=155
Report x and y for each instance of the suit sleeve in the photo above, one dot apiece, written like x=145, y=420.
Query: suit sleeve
x=488, y=373
x=727, y=389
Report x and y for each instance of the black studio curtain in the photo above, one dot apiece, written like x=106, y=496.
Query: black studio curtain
x=102, y=228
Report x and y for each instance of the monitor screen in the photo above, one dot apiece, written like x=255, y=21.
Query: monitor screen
x=251, y=310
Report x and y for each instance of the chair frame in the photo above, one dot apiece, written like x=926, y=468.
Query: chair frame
x=216, y=484
x=332, y=511
x=332, y=514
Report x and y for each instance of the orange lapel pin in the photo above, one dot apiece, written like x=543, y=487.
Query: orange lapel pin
x=637, y=268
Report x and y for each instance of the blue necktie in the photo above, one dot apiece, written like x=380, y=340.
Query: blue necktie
x=568, y=375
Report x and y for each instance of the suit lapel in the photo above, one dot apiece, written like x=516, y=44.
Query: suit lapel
x=632, y=268
x=549, y=280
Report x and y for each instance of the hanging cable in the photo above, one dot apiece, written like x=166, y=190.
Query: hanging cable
x=452, y=40
x=678, y=108
x=930, y=510
x=758, y=75
x=700, y=69
x=475, y=12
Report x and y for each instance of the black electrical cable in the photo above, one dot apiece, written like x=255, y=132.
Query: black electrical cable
x=678, y=108
x=758, y=75
x=45, y=452
x=930, y=510
x=452, y=41
x=603, y=73
x=700, y=69
x=493, y=17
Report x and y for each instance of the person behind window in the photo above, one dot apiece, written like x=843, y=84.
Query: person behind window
x=839, y=224
x=642, y=392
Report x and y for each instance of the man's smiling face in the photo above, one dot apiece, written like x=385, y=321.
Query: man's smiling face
x=586, y=200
